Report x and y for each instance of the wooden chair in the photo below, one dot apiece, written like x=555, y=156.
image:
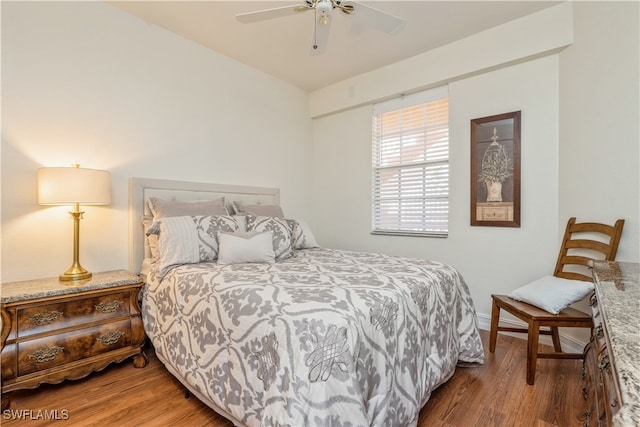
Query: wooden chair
x=572, y=264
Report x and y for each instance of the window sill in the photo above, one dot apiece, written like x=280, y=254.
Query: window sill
x=408, y=234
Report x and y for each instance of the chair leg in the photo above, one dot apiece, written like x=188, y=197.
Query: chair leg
x=495, y=319
x=556, y=339
x=532, y=351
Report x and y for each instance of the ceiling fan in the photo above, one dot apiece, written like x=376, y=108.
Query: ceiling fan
x=323, y=10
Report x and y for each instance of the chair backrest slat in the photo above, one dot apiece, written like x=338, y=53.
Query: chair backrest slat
x=593, y=227
x=576, y=260
x=586, y=247
x=594, y=245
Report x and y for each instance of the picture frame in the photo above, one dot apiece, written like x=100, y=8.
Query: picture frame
x=495, y=170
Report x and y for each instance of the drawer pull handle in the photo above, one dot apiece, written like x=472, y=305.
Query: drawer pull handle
x=110, y=337
x=45, y=354
x=108, y=306
x=599, y=331
x=603, y=361
x=614, y=403
x=45, y=318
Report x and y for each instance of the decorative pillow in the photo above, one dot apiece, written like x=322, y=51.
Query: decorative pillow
x=242, y=222
x=301, y=235
x=189, y=239
x=281, y=233
x=237, y=248
x=553, y=294
x=152, y=239
x=257, y=210
x=167, y=208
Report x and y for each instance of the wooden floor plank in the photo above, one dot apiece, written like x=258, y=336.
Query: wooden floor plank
x=492, y=395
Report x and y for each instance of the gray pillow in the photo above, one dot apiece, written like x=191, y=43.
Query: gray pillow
x=167, y=208
x=258, y=210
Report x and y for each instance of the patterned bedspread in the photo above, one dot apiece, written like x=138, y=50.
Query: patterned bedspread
x=323, y=338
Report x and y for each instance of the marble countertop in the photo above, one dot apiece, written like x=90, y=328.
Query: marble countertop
x=52, y=286
x=618, y=293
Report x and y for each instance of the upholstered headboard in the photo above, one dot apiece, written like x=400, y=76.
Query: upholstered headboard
x=140, y=189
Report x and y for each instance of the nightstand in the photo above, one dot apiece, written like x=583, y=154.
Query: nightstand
x=53, y=330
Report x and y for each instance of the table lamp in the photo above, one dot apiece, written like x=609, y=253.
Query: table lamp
x=74, y=186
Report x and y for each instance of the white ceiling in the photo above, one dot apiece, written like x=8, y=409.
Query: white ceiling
x=281, y=47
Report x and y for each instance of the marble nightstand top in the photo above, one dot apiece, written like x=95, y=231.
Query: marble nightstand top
x=618, y=293
x=52, y=286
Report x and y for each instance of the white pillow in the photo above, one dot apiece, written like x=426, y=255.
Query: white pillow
x=237, y=248
x=552, y=294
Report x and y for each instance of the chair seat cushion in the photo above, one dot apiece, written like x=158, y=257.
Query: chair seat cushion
x=552, y=294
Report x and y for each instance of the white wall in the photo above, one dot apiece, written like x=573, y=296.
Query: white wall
x=83, y=82
x=579, y=153
x=599, y=120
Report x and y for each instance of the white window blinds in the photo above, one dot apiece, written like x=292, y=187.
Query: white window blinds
x=411, y=164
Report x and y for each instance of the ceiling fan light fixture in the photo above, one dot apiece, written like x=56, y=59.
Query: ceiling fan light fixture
x=323, y=10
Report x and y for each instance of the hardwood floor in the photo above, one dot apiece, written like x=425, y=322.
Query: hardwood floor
x=494, y=394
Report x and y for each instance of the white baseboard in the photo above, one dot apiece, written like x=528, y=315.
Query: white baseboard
x=569, y=344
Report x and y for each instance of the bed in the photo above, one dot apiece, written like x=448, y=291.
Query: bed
x=313, y=336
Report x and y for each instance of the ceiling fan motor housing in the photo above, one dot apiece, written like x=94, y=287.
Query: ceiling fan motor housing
x=324, y=7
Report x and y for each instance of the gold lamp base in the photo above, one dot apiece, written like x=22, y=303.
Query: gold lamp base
x=76, y=271
x=74, y=274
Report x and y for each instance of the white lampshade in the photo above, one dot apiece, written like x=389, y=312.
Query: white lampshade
x=66, y=186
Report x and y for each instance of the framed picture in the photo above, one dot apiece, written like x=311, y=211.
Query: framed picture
x=495, y=170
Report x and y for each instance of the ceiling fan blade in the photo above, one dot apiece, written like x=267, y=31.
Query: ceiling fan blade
x=345, y=7
x=375, y=18
x=262, y=15
x=321, y=38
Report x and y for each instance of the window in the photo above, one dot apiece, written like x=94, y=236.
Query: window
x=411, y=165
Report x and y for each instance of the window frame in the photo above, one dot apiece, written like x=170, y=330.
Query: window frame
x=437, y=164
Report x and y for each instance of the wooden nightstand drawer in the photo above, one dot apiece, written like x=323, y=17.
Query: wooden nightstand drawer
x=53, y=331
x=48, y=317
x=43, y=353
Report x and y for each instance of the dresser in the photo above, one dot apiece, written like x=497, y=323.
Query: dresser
x=611, y=369
x=53, y=330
